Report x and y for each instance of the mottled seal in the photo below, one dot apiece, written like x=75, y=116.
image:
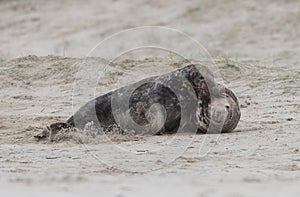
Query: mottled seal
x=190, y=91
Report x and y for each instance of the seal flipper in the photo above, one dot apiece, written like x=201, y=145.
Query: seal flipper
x=71, y=121
x=52, y=130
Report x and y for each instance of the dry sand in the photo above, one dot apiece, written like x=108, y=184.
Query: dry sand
x=255, y=45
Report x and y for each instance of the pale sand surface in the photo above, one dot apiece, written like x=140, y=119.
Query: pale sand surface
x=256, y=49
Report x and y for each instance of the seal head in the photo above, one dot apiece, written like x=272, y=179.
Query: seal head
x=221, y=114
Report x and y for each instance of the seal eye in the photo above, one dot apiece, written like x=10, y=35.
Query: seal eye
x=227, y=106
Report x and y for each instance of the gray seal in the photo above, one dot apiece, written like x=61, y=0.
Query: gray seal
x=209, y=104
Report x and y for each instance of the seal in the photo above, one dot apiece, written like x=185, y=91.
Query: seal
x=188, y=96
x=222, y=110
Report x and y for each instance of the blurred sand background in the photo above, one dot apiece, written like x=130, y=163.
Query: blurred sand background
x=255, y=45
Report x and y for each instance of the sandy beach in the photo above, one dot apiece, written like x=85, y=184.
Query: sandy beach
x=47, y=72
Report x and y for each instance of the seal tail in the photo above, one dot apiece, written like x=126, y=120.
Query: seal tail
x=71, y=121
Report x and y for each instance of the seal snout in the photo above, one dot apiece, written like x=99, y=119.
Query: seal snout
x=219, y=111
x=218, y=116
